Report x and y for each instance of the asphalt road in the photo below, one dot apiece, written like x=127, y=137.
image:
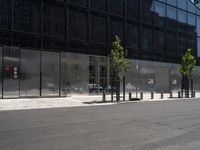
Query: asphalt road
x=165, y=125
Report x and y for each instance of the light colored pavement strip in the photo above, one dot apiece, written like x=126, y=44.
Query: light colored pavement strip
x=74, y=101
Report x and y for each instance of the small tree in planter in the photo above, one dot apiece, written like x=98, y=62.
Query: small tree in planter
x=186, y=70
x=118, y=63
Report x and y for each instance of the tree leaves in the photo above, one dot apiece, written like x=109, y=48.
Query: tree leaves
x=118, y=62
x=188, y=64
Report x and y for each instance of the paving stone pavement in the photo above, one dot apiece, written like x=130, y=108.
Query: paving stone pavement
x=73, y=101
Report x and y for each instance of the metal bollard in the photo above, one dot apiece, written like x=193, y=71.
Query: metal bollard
x=171, y=94
x=179, y=94
x=152, y=95
x=161, y=95
x=130, y=96
x=104, y=96
x=194, y=94
x=141, y=95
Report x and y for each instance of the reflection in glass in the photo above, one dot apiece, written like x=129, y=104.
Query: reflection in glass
x=191, y=7
x=0, y=72
x=171, y=12
x=191, y=19
x=182, y=16
x=11, y=72
x=182, y=4
x=160, y=8
x=171, y=2
x=74, y=73
x=30, y=73
x=50, y=74
x=198, y=47
x=198, y=26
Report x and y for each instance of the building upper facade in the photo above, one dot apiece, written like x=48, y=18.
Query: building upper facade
x=156, y=30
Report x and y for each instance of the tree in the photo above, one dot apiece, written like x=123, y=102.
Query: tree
x=186, y=70
x=119, y=65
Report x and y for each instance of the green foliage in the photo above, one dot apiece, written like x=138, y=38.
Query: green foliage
x=118, y=62
x=188, y=64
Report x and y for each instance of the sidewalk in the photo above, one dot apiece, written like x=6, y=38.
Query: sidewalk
x=74, y=101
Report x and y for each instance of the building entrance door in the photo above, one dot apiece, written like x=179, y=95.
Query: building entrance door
x=11, y=72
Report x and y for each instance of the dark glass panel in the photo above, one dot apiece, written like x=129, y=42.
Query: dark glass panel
x=147, y=10
x=97, y=49
x=54, y=18
x=11, y=73
x=26, y=40
x=79, y=2
x=159, y=41
x=182, y=43
x=117, y=7
x=5, y=38
x=27, y=15
x=132, y=39
x=98, y=29
x=171, y=42
x=98, y=5
x=132, y=9
x=54, y=44
x=78, y=47
x=116, y=28
x=77, y=25
x=5, y=14
x=146, y=38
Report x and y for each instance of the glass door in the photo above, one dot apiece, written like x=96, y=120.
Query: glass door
x=11, y=72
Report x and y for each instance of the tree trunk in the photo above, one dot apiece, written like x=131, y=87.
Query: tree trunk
x=118, y=89
x=185, y=86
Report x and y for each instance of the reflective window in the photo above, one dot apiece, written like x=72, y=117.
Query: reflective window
x=182, y=4
x=98, y=5
x=160, y=8
x=191, y=19
x=198, y=26
x=5, y=14
x=182, y=43
x=5, y=38
x=171, y=2
x=74, y=73
x=116, y=28
x=77, y=25
x=54, y=19
x=117, y=7
x=98, y=29
x=146, y=35
x=162, y=0
x=171, y=12
x=1, y=72
x=30, y=73
x=27, y=15
x=191, y=7
x=50, y=77
x=182, y=16
x=160, y=13
x=198, y=51
x=132, y=39
x=159, y=39
x=171, y=42
x=79, y=2
x=132, y=9
x=147, y=9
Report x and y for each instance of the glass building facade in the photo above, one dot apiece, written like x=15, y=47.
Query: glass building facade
x=46, y=44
